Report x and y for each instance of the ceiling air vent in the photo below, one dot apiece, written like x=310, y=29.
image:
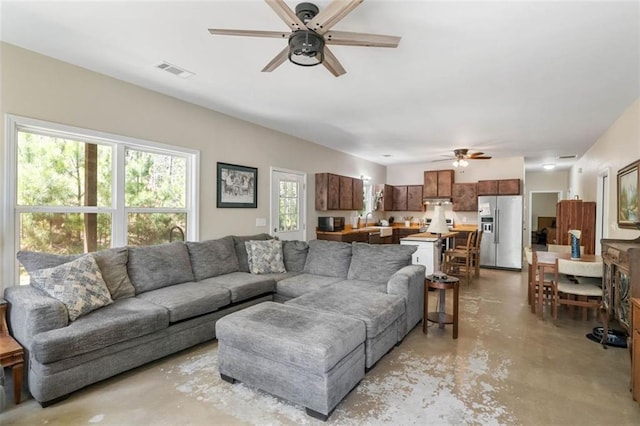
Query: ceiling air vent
x=175, y=70
x=567, y=157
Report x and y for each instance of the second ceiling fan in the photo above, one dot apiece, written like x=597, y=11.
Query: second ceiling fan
x=311, y=33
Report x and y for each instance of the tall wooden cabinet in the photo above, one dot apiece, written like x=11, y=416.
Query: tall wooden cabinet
x=577, y=214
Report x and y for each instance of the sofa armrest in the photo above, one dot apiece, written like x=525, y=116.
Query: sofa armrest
x=408, y=283
x=31, y=311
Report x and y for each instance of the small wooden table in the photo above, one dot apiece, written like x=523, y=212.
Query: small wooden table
x=441, y=317
x=11, y=353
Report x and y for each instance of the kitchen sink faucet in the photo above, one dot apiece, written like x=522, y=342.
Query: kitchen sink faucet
x=366, y=221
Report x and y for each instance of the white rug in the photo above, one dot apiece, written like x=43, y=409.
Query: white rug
x=416, y=389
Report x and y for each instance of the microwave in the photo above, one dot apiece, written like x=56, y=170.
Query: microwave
x=330, y=223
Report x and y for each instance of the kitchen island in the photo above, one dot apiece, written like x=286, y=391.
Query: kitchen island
x=426, y=253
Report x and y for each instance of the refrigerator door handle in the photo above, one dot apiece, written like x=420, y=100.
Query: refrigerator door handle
x=497, y=230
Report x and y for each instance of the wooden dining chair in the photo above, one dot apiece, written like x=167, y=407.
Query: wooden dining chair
x=569, y=290
x=475, y=254
x=457, y=261
x=540, y=286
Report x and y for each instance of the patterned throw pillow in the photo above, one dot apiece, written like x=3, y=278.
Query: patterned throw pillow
x=78, y=284
x=265, y=257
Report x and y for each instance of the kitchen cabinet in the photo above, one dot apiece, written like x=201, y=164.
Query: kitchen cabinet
x=576, y=214
x=400, y=233
x=438, y=183
x=499, y=187
x=362, y=237
x=414, y=198
x=335, y=192
x=464, y=197
x=386, y=203
x=400, y=198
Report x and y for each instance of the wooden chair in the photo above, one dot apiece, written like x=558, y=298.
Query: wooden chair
x=569, y=290
x=475, y=254
x=539, y=284
x=457, y=261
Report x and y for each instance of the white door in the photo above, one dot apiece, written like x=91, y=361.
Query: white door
x=288, y=200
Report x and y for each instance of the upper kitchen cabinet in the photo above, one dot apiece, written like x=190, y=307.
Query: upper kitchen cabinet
x=335, y=192
x=464, y=197
x=414, y=198
x=386, y=202
x=400, y=198
x=499, y=187
x=438, y=183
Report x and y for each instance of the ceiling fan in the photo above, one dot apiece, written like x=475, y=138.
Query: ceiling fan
x=460, y=157
x=311, y=33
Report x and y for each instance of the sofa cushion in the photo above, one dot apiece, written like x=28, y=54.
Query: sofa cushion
x=303, y=283
x=212, y=257
x=113, y=265
x=377, y=310
x=243, y=285
x=377, y=262
x=123, y=320
x=328, y=258
x=295, y=255
x=241, y=250
x=188, y=300
x=153, y=267
x=265, y=257
x=78, y=284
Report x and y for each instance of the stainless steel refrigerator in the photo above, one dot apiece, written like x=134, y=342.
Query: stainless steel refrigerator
x=500, y=219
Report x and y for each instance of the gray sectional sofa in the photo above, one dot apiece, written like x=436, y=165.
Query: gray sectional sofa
x=169, y=297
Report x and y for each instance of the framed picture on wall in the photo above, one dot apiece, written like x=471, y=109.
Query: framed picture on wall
x=628, y=183
x=237, y=186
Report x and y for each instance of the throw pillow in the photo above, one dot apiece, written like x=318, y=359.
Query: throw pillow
x=241, y=251
x=265, y=257
x=78, y=284
x=113, y=266
x=35, y=260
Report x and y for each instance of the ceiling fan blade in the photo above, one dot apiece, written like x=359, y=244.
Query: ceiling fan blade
x=481, y=157
x=249, y=33
x=286, y=14
x=277, y=61
x=332, y=64
x=346, y=38
x=475, y=154
x=332, y=14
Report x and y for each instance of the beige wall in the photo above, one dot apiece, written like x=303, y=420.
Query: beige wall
x=37, y=86
x=413, y=174
x=617, y=147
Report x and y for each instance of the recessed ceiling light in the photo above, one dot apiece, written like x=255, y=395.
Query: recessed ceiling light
x=549, y=166
x=386, y=155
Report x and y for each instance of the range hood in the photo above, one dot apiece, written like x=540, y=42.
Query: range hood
x=436, y=201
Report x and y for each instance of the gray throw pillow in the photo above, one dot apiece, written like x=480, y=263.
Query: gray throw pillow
x=113, y=266
x=328, y=258
x=241, y=250
x=265, y=257
x=153, y=267
x=377, y=262
x=78, y=284
x=295, y=255
x=213, y=257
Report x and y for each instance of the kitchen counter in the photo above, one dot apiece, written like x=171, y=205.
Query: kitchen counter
x=427, y=236
x=349, y=230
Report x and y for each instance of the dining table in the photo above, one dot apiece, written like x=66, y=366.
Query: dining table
x=546, y=262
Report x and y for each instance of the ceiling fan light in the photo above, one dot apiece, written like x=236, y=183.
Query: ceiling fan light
x=306, y=48
x=464, y=163
x=456, y=163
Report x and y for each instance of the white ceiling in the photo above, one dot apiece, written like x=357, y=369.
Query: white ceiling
x=512, y=78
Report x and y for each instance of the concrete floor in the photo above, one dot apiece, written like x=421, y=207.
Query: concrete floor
x=506, y=367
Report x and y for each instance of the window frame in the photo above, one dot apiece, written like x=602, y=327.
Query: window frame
x=118, y=210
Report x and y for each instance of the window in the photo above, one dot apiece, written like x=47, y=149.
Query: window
x=72, y=191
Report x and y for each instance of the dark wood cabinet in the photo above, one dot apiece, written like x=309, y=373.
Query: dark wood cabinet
x=335, y=192
x=399, y=233
x=499, y=187
x=414, y=198
x=438, y=183
x=386, y=202
x=400, y=198
x=361, y=237
x=346, y=193
x=576, y=214
x=358, y=195
x=464, y=197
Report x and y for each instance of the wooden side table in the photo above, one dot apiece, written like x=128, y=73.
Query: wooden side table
x=441, y=317
x=11, y=353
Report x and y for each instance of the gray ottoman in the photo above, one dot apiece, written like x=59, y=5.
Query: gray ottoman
x=310, y=358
